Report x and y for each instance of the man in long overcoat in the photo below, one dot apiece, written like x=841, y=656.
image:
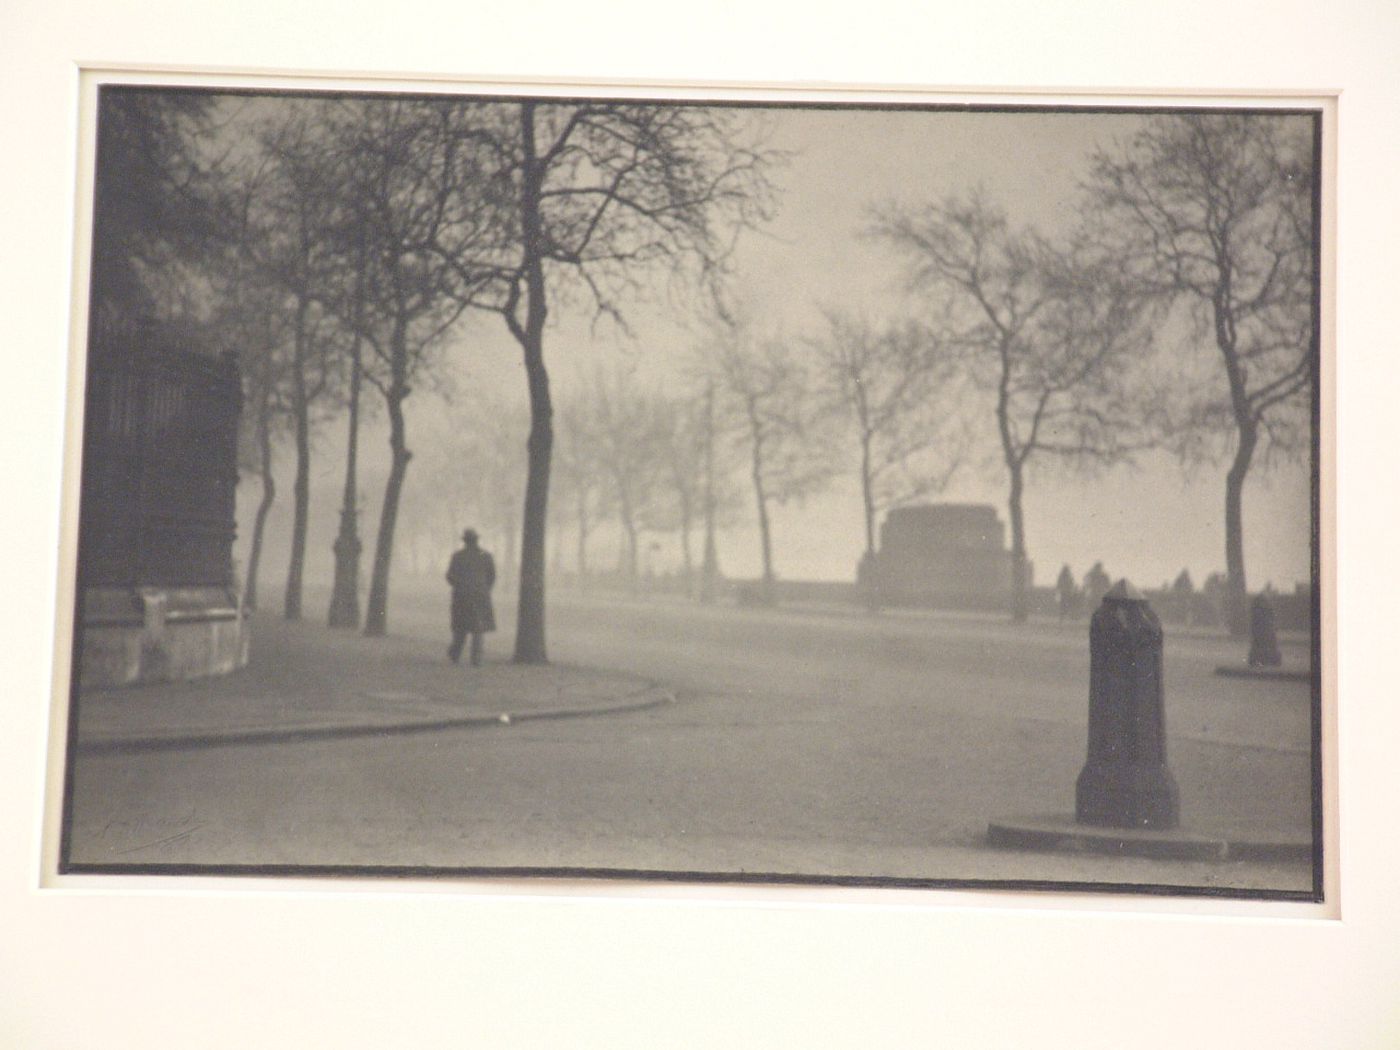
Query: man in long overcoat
x=471, y=573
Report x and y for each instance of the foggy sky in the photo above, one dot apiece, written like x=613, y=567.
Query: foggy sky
x=1146, y=521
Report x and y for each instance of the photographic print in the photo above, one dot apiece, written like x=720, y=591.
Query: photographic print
x=744, y=490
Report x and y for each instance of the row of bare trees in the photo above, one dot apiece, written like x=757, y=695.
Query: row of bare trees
x=1050, y=332
x=1180, y=313
x=358, y=231
x=754, y=422
x=757, y=421
x=358, y=234
x=630, y=458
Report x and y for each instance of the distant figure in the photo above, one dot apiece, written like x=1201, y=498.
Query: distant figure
x=1184, y=591
x=1263, y=635
x=1067, y=593
x=867, y=584
x=472, y=572
x=1096, y=585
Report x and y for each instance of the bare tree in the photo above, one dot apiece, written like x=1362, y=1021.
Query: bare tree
x=432, y=515
x=248, y=321
x=158, y=208
x=410, y=183
x=290, y=201
x=475, y=455
x=594, y=197
x=498, y=464
x=260, y=458
x=582, y=471
x=771, y=406
x=890, y=385
x=1047, y=333
x=1215, y=212
x=628, y=428
x=719, y=499
x=304, y=226
x=681, y=433
x=697, y=488
x=709, y=436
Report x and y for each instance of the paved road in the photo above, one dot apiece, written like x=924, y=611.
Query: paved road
x=972, y=665
x=803, y=742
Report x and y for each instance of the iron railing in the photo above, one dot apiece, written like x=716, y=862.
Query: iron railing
x=160, y=462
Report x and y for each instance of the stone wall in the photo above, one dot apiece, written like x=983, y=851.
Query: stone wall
x=133, y=636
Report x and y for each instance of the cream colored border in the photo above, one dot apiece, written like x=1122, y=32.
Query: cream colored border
x=109, y=968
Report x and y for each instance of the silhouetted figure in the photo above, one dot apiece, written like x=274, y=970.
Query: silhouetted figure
x=1067, y=593
x=1183, y=589
x=472, y=572
x=1096, y=584
x=1263, y=635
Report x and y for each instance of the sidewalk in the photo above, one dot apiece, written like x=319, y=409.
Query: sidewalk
x=1297, y=644
x=305, y=681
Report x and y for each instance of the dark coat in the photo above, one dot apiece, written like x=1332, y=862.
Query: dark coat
x=472, y=572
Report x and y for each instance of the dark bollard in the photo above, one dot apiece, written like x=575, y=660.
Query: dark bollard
x=1263, y=635
x=1126, y=783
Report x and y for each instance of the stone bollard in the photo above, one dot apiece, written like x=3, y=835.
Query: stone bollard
x=155, y=654
x=1125, y=782
x=1263, y=635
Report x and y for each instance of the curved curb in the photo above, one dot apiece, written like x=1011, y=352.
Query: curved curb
x=654, y=696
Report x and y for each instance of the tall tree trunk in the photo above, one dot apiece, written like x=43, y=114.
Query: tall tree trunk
x=687, y=563
x=1015, y=459
x=1020, y=598
x=1247, y=431
x=629, y=534
x=709, y=565
x=867, y=492
x=269, y=493
x=583, y=526
x=301, y=486
x=1236, y=587
x=345, y=591
x=377, y=607
x=769, y=590
x=529, y=628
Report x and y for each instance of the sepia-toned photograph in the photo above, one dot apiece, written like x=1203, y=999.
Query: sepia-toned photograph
x=660, y=488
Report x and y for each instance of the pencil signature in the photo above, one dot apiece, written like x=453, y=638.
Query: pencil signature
x=167, y=831
x=179, y=836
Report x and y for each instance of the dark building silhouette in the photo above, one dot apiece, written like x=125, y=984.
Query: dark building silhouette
x=157, y=598
x=945, y=555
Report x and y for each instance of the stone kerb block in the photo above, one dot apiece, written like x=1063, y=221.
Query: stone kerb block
x=1125, y=781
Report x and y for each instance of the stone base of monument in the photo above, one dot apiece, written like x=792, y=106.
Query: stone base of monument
x=1287, y=674
x=142, y=635
x=1061, y=833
